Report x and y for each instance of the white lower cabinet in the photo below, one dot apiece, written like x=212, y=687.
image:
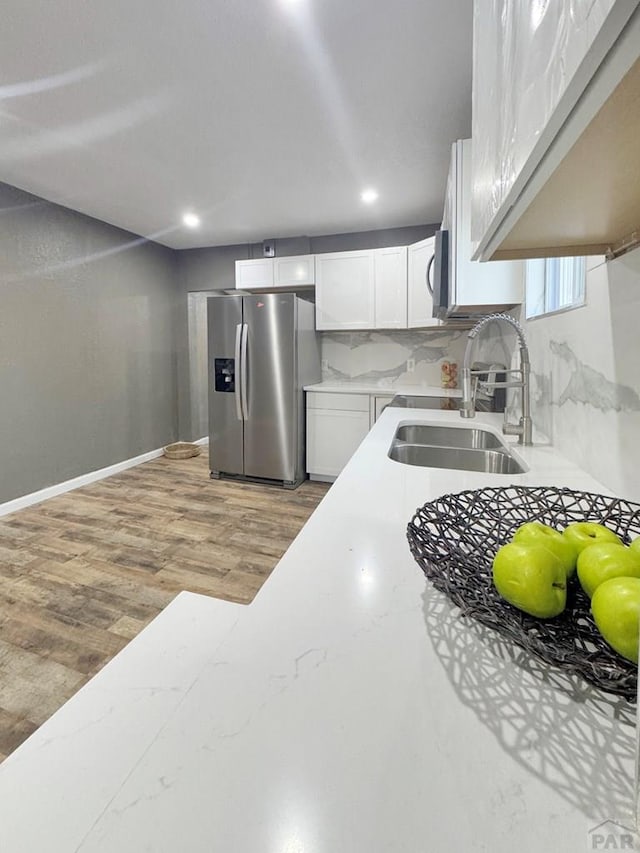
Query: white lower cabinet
x=336, y=424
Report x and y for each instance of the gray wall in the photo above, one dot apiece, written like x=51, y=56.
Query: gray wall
x=94, y=336
x=214, y=269
x=87, y=344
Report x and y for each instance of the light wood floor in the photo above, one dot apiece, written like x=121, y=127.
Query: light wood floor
x=83, y=573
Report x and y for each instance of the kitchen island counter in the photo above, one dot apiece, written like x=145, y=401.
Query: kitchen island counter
x=348, y=708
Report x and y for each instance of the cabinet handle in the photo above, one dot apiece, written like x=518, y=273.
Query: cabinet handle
x=428, y=275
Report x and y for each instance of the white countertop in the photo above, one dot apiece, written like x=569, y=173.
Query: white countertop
x=383, y=389
x=348, y=708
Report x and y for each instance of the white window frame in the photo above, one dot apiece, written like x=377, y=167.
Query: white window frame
x=554, y=285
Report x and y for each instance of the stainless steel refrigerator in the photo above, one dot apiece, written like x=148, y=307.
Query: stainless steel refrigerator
x=262, y=350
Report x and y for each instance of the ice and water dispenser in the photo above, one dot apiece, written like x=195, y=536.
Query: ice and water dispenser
x=225, y=374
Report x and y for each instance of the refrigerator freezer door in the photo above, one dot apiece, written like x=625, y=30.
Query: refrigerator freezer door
x=225, y=430
x=271, y=417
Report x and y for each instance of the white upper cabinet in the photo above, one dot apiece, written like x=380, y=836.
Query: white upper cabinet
x=345, y=290
x=474, y=287
x=255, y=274
x=362, y=290
x=420, y=303
x=296, y=272
x=556, y=88
x=390, y=273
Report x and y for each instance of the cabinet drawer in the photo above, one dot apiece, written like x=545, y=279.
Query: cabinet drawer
x=343, y=402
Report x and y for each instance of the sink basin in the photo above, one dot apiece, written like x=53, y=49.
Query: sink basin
x=462, y=459
x=460, y=448
x=444, y=436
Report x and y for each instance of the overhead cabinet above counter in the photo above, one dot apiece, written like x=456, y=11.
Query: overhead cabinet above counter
x=556, y=123
x=370, y=289
x=388, y=288
x=471, y=288
x=294, y=273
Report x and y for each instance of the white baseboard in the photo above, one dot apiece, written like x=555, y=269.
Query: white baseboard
x=76, y=482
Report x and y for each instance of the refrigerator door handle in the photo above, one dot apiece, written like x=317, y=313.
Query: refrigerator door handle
x=238, y=372
x=243, y=372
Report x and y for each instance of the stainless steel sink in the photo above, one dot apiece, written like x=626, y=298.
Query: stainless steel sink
x=462, y=459
x=445, y=436
x=460, y=448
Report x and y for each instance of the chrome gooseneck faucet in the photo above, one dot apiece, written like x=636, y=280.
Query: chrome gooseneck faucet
x=518, y=378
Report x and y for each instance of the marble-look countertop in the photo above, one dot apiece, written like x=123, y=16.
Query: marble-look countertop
x=348, y=708
x=331, y=386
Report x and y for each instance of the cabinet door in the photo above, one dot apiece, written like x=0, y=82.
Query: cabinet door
x=391, y=288
x=299, y=270
x=420, y=303
x=473, y=284
x=345, y=290
x=541, y=72
x=255, y=274
x=332, y=438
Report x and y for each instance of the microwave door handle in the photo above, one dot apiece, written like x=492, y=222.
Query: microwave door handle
x=243, y=372
x=428, y=275
x=238, y=372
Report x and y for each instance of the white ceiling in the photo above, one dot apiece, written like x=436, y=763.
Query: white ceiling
x=266, y=117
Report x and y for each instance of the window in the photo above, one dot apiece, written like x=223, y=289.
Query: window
x=554, y=284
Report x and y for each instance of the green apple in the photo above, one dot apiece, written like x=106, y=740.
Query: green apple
x=581, y=534
x=531, y=578
x=616, y=610
x=534, y=532
x=598, y=563
x=635, y=545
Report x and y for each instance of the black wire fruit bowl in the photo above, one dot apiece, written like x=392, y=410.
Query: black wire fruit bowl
x=455, y=538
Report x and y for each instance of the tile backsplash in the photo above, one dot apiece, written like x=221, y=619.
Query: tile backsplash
x=586, y=376
x=381, y=356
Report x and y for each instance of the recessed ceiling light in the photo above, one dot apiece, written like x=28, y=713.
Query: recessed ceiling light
x=191, y=220
x=369, y=196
